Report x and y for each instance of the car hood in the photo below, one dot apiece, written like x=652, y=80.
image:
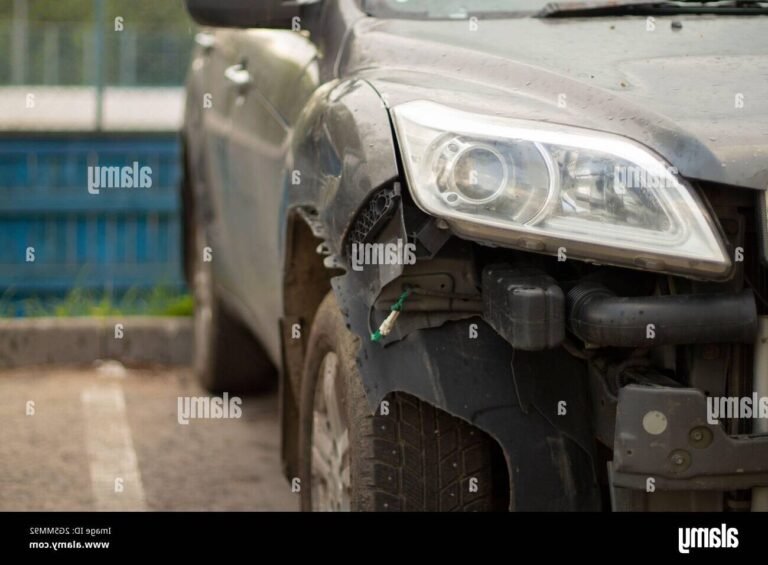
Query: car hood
x=697, y=95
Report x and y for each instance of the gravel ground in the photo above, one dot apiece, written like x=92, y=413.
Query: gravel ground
x=69, y=437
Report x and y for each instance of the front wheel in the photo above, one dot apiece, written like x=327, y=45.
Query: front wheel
x=409, y=456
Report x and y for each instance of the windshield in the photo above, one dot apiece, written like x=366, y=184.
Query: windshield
x=451, y=9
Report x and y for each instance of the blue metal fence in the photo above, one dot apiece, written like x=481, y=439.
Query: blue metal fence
x=56, y=236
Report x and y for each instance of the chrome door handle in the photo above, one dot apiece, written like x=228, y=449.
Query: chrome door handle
x=238, y=75
x=205, y=40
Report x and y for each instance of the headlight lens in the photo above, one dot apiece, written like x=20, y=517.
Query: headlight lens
x=542, y=187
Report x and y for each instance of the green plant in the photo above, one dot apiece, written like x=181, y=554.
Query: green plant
x=158, y=301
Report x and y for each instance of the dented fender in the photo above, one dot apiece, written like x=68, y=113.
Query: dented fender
x=343, y=149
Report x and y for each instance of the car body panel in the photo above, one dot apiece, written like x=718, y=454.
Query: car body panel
x=281, y=68
x=697, y=96
x=344, y=149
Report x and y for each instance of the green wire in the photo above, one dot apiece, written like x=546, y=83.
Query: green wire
x=397, y=306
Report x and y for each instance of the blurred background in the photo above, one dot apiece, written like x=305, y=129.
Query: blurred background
x=91, y=83
x=96, y=340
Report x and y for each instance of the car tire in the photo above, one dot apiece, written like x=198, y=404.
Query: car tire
x=407, y=457
x=227, y=358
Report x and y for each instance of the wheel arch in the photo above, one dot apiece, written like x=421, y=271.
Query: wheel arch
x=513, y=396
x=342, y=150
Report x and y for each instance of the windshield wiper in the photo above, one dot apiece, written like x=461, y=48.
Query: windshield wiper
x=652, y=7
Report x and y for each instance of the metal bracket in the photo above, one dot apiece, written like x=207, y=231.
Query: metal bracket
x=664, y=433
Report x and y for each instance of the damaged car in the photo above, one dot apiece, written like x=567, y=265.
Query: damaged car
x=497, y=255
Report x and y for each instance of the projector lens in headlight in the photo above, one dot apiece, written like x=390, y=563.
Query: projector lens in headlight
x=479, y=173
x=543, y=187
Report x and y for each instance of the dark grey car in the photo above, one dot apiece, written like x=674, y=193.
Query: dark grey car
x=503, y=254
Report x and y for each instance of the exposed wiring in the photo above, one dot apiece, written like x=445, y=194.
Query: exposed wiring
x=389, y=322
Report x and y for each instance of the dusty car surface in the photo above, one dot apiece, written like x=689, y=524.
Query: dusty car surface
x=502, y=255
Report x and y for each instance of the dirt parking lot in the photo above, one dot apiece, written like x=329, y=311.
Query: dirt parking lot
x=108, y=438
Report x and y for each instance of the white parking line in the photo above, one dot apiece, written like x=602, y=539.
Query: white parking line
x=115, y=477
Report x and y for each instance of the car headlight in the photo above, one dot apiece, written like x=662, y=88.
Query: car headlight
x=542, y=187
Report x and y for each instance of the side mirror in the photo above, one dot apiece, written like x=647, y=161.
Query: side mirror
x=243, y=13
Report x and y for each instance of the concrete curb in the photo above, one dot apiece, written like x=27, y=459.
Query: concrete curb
x=74, y=341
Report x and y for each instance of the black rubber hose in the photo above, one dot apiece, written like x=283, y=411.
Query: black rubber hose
x=599, y=317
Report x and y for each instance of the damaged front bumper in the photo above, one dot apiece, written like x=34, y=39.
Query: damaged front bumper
x=665, y=434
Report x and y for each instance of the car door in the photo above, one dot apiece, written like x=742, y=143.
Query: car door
x=275, y=75
x=216, y=103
